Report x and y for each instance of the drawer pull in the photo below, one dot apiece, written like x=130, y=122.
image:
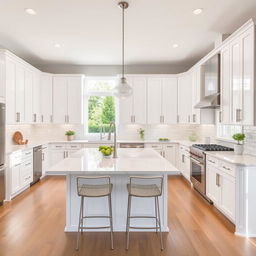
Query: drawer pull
x=211, y=161
x=28, y=164
x=226, y=168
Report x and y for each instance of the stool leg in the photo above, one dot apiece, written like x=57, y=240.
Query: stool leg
x=82, y=217
x=128, y=222
x=156, y=215
x=79, y=225
x=159, y=221
x=111, y=221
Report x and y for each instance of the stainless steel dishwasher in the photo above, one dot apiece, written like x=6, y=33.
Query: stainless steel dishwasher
x=131, y=145
x=37, y=164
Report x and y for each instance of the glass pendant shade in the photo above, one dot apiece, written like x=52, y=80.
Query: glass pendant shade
x=123, y=89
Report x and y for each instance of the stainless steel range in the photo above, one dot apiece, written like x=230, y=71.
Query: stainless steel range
x=198, y=164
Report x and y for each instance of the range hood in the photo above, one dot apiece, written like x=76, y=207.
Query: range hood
x=210, y=83
x=210, y=101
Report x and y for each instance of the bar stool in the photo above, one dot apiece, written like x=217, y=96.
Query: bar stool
x=86, y=188
x=144, y=191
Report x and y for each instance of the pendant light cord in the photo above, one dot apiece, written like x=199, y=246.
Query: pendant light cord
x=123, y=45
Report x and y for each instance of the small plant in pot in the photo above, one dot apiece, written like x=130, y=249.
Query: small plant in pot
x=239, y=147
x=70, y=135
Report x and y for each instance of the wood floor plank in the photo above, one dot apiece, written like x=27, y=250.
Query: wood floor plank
x=33, y=224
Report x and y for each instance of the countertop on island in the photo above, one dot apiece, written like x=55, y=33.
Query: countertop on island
x=129, y=161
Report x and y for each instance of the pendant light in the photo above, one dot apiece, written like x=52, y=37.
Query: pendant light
x=123, y=89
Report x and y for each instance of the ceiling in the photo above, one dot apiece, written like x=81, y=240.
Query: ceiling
x=89, y=31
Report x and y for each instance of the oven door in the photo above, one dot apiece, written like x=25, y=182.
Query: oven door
x=198, y=175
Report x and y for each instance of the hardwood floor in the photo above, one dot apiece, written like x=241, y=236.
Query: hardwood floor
x=33, y=223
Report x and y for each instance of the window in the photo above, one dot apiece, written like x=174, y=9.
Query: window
x=225, y=132
x=101, y=104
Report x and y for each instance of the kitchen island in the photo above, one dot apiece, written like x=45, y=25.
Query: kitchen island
x=86, y=162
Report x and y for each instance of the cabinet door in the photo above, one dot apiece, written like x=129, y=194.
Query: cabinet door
x=184, y=99
x=15, y=178
x=75, y=100
x=56, y=156
x=60, y=99
x=36, y=98
x=154, y=109
x=10, y=92
x=236, y=86
x=126, y=107
x=247, y=62
x=46, y=98
x=225, y=104
x=44, y=160
x=169, y=100
x=20, y=93
x=212, y=186
x=139, y=86
x=170, y=153
x=26, y=173
x=227, y=196
x=196, y=94
x=28, y=97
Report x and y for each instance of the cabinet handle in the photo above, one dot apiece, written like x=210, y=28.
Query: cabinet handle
x=51, y=118
x=134, y=120
x=220, y=116
x=42, y=156
x=34, y=118
x=238, y=115
x=183, y=159
x=169, y=146
x=194, y=118
x=178, y=118
x=217, y=180
x=211, y=161
x=42, y=118
x=164, y=154
x=67, y=118
x=18, y=117
x=189, y=118
x=226, y=168
x=64, y=154
x=28, y=164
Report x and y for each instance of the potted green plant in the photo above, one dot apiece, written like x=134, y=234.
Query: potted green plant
x=141, y=133
x=239, y=147
x=70, y=135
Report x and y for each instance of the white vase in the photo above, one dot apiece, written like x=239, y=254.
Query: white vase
x=238, y=149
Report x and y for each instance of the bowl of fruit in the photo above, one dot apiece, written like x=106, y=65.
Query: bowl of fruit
x=106, y=151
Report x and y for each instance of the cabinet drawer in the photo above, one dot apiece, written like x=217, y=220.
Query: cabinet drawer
x=15, y=158
x=73, y=146
x=28, y=153
x=57, y=146
x=213, y=161
x=155, y=146
x=227, y=168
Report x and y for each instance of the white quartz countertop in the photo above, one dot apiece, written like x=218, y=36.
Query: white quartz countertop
x=229, y=156
x=129, y=161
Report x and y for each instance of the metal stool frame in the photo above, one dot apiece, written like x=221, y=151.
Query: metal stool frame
x=157, y=210
x=81, y=227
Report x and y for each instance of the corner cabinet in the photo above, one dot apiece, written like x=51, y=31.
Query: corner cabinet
x=162, y=101
x=133, y=108
x=68, y=99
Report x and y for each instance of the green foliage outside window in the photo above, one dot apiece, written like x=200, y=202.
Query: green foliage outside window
x=101, y=111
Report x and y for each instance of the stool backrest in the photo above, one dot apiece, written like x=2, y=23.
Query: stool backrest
x=157, y=180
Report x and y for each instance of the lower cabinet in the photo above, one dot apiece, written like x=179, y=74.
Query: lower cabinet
x=220, y=188
x=45, y=159
x=20, y=170
x=168, y=151
x=184, y=161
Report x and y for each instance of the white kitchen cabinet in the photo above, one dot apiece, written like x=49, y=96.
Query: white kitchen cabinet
x=36, y=97
x=162, y=101
x=10, y=91
x=220, y=186
x=67, y=99
x=184, y=161
x=45, y=159
x=225, y=106
x=46, y=98
x=133, y=108
x=15, y=178
x=26, y=173
x=196, y=94
x=28, y=100
x=184, y=99
x=242, y=60
x=20, y=93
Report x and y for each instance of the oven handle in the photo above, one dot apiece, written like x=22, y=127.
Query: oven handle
x=196, y=161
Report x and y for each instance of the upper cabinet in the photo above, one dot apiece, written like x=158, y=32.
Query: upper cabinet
x=133, y=109
x=196, y=94
x=36, y=101
x=68, y=99
x=162, y=100
x=185, y=99
x=46, y=98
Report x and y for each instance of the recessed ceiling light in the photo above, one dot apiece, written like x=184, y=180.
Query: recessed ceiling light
x=175, y=45
x=30, y=11
x=57, y=45
x=198, y=11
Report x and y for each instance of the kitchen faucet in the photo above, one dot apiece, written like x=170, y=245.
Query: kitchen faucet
x=112, y=124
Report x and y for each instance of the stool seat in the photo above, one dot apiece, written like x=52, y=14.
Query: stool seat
x=140, y=190
x=95, y=190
